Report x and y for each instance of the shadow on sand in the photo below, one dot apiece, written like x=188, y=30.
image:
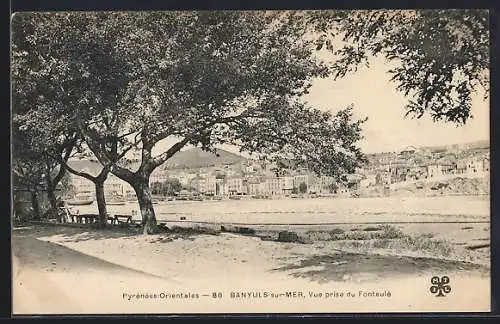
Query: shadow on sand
x=74, y=234
x=79, y=234
x=48, y=256
x=365, y=267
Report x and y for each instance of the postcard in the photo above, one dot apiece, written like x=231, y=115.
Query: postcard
x=215, y=162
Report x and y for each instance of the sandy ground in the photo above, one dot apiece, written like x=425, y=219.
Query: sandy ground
x=72, y=270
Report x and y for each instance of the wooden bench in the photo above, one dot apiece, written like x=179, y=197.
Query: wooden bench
x=121, y=219
x=88, y=218
x=94, y=218
x=66, y=215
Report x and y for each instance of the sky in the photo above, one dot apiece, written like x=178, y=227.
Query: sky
x=387, y=129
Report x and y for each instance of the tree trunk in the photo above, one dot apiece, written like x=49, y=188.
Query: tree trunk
x=35, y=205
x=143, y=193
x=101, y=203
x=52, y=198
x=53, y=201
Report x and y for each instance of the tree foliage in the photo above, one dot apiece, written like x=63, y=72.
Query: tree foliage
x=27, y=168
x=166, y=188
x=122, y=82
x=441, y=57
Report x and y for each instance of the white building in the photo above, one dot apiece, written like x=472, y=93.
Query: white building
x=478, y=166
x=273, y=186
x=158, y=176
x=112, y=186
x=314, y=188
x=183, y=177
x=286, y=184
x=81, y=184
x=221, y=188
x=368, y=181
x=235, y=186
x=298, y=179
x=210, y=185
x=434, y=170
x=254, y=188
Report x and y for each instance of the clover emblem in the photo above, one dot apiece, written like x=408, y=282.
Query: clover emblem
x=440, y=286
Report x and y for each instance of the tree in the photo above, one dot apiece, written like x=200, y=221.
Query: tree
x=166, y=188
x=303, y=187
x=170, y=186
x=441, y=57
x=333, y=187
x=34, y=168
x=202, y=78
x=37, y=169
x=98, y=181
x=58, y=82
x=34, y=146
x=156, y=188
x=32, y=94
x=67, y=186
x=26, y=174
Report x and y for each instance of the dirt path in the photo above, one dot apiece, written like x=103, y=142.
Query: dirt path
x=36, y=254
x=93, y=271
x=51, y=278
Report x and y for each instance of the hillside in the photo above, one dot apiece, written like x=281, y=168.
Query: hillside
x=485, y=144
x=456, y=185
x=436, y=152
x=197, y=158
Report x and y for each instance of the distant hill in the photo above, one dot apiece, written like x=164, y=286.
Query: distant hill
x=197, y=158
x=484, y=144
x=189, y=159
x=470, y=146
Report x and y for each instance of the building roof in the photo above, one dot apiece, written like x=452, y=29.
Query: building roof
x=253, y=180
x=354, y=177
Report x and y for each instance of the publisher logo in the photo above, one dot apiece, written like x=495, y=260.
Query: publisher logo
x=440, y=286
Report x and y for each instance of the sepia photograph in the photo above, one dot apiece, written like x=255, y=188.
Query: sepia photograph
x=247, y=162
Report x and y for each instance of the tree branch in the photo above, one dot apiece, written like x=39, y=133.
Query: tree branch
x=162, y=158
x=26, y=179
x=122, y=154
x=78, y=173
x=67, y=153
x=126, y=134
x=120, y=172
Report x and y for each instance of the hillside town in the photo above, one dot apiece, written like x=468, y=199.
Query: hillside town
x=252, y=178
